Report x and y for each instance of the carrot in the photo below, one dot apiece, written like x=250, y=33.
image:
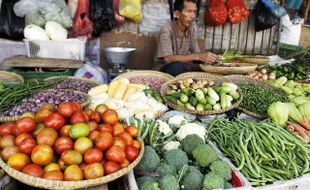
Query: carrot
x=301, y=131
x=290, y=128
x=305, y=123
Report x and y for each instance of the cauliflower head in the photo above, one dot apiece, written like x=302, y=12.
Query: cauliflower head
x=172, y=145
x=164, y=128
x=189, y=129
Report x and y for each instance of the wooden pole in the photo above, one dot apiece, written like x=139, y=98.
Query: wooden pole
x=307, y=11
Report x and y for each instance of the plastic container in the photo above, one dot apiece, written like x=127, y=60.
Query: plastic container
x=74, y=48
x=300, y=183
x=27, y=75
x=287, y=49
x=9, y=48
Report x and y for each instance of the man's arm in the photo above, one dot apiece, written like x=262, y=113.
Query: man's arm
x=207, y=57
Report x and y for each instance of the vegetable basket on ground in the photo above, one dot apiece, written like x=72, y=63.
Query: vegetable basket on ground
x=50, y=184
x=256, y=94
x=229, y=69
x=45, y=98
x=153, y=79
x=201, y=94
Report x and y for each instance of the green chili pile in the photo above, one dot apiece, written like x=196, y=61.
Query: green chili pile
x=263, y=151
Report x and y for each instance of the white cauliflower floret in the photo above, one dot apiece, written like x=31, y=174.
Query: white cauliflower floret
x=164, y=128
x=172, y=145
x=189, y=129
x=177, y=120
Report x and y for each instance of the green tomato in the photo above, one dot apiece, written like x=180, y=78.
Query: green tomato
x=78, y=130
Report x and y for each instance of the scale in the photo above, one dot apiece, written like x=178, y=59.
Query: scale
x=117, y=58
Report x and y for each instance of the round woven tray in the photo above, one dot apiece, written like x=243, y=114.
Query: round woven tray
x=11, y=78
x=255, y=60
x=228, y=70
x=190, y=74
x=217, y=79
x=161, y=75
x=73, y=78
x=49, y=184
x=15, y=118
x=240, y=79
x=304, y=81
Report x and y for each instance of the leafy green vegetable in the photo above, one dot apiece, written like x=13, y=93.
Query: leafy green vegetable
x=229, y=55
x=279, y=112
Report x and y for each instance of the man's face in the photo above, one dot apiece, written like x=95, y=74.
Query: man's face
x=188, y=15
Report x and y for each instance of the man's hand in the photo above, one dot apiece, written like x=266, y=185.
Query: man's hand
x=208, y=58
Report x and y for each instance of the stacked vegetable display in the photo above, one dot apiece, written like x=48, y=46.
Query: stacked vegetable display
x=68, y=143
x=199, y=95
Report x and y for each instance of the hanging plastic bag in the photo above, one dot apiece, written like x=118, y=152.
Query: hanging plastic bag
x=82, y=25
x=216, y=13
x=101, y=13
x=263, y=18
x=118, y=18
x=11, y=26
x=92, y=72
x=237, y=11
x=72, y=6
x=131, y=9
x=277, y=10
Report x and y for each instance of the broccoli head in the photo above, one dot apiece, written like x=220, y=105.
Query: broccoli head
x=204, y=155
x=149, y=161
x=192, y=180
x=213, y=181
x=176, y=158
x=166, y=169
x=169, y=182
x=190, y=142
x=222, y=168
x=149, y=185
x=143, y=179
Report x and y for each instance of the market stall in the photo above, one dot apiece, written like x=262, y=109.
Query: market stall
x=65, y=123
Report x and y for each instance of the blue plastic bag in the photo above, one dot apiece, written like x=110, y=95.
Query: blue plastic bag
x=277, y=10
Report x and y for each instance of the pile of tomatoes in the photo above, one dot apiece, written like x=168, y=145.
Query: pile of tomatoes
x=237, y=11
x=68, y=144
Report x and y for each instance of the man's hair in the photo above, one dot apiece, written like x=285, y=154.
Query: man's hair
x=179, y=4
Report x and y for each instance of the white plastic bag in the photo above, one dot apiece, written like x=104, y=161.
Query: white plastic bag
x=92, y=72
x=290, y=33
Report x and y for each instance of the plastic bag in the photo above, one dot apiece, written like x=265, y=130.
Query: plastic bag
x=35, y=18
x=50, y=10
x=263, y=18
x=118, y=18
x=11, y=26
x=101, y=13
x=82, y=25
x=216, y=13
x=92, y=72
x=131, y=9
x=275, y=9
x=237, y=11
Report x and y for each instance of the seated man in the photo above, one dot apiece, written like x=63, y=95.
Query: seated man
x=177, y=43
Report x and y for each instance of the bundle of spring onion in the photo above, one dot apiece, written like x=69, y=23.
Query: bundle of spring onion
x=228, y=56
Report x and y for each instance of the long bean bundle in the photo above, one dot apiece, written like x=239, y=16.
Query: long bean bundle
x=263, y=151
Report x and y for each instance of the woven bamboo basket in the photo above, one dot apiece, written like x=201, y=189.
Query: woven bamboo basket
x=11, y=78
x=73, y=78
x=190, y=74
x=15, y=118
x=67, y=185
x=304, y=81
x=255, y=60
x=217, y=79
x=240, y=79
x=242, y=69
x=161, y=75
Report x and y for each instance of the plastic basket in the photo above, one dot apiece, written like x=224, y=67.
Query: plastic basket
x=63, y=49
x=27, y=75
x=287, y=49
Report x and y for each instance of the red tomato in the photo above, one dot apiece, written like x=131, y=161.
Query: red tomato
x=93, y=155
x=42, y=114
x=62, y=144
x=110, y=116
x=93, y=135
x=86, y=116
x=7, y=140
x=51, y=167
x=118, y=128
x=92, y=125
x=64, y=131
x=21, y=137
x=78, y=117
x=89, y=112
x=111, y=167
x=76, y=106
x=104, y=140
x=16, y=132
x=18, y=161
x=27, y=145
x=34, y=170
x=83, y=165
x=136, y=144
x=42, y=155
x=8, y=151
x=116, y=154
x=65, y=109
x=47, y=136
x=125, y=163
x=95, y=116
x=54, y=175
x=119, y=142
x=127, y=138
x=26, y=124
x=131, y=153
x=105, y=128
x=7, y=128
x=55, y=121
x=93, y=171
x=132, y=130
x=50, y=107
x=37, y=130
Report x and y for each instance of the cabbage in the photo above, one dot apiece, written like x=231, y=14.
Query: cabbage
x=305, y=110
x=55, y=31
x=33, y=32
x=279, y=113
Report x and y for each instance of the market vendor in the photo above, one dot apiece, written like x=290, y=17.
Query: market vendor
x=177, y=42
